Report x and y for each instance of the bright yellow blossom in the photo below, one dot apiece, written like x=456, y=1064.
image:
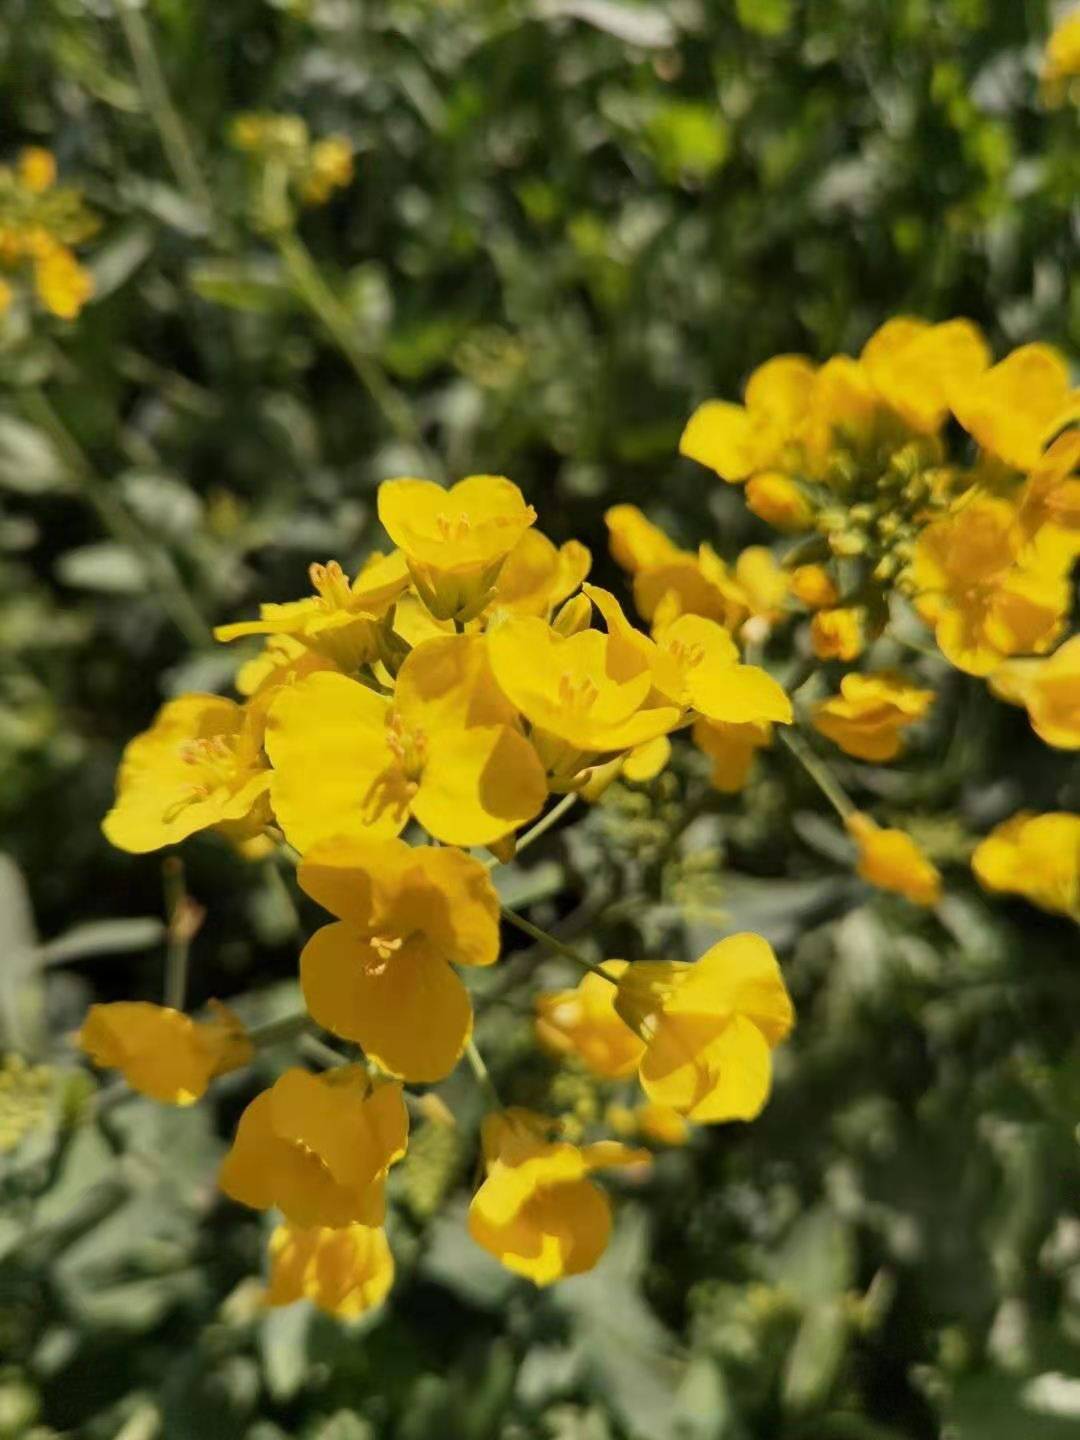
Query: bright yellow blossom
x=537, y=1211
x=1015, y=408
x=345, y=1271
x=891, y=860
x=330, y=168
x=984, y=597
x=916, y=368
x=382, y=975
x=871, y=712
x=318, y=1148
x=738, y=441
x=1037, y=856
x=1050, y=496
x=341, y=621
x=659, y=1124
x=37, y=169
x=1049, y=689
x=778, y=501
x=536, y=577
x=814, y=586
x=838, y=634
x=709, y=1028
x=732, y=749
x=455, y=541
x=638, y=544
x=347, y=759
x=764, y=583
x=63, y=285
x=200, y=765
x=584, y=1022
x=282, y=660
x=160, y=1051
x=1061, y=61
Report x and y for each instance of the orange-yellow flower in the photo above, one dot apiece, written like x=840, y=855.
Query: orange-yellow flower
x=1061, y=61
x=1016, y=407
x=537, y=577
x=330, y=168
x=537, y=1211
x=455, y=541
x=868, y=717
x=160, y=1051
x=585, y=1023
x=984, y=597
x=891, y=860
x=1050, y=496
x=814, y=586
x=838, y=634
x=732, y=749
x=1037, y=856
x=445, y=749
x=738, y=441
x=318, y=1148
x=709, y=1028
x=1049, y=689
x=345, y=1271
x=917, y=368
x=199, y=765
x=382, y=975
x=778, y=500
x=659, y=1124
x=636, y=543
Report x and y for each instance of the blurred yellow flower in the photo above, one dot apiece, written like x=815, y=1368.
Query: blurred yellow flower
x=160, y=1051
x=871, y=712
x=1049, y=689
x=1036, y=856
x=199, y=765
x=537, y=1211
x=659, y=1124
x=345, y=1271
x=917, y=368
x=584, y=1022
x=638, y=544
x=764, y=583
x=814, y=586
x=838, y=634
x=738, y=441
x=382, y=975
x=37, y=169
x=891, y=860
x=778, y=501
x=329, y=168
x=536, y=577
x=318, y=1148
x=455, y=541
x=1016, y=406
x=709, y=1028
x=1061, y=61
x=1050, y=496
x=444, y=748
x=732, y=749
x=40, y=222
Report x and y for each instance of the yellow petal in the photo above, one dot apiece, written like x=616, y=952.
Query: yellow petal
x=722, y=437
x=479, y=785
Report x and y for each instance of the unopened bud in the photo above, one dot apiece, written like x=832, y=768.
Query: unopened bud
x=779, y=501
x=574, y=616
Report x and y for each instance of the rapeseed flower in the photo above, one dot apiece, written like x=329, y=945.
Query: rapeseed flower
x=537, y=1211
x=199, y=766
x=455, y=541
x=345, y=1271
x=1036, y=856
x=709, y=1027
x=1061, y=60
x=814, y=587
x=891, y=860
x=382, y=975
x=161, y=1052
x=732, y=749
x=1014, y=408
x=838, y=634
x=40, y=222
x=318, y=1148
x=867, y=719
x=583, y=1022
x=1050, y=691
x=537, y=577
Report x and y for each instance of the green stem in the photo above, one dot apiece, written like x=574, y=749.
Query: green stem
x=542, y=826
x=313, y=290
x=820, y=773
x=175, y=600
x=167, y=120
x=483, y=1075
x=177, y=934
x=543, y=938
x=323, y=1054
x=290, y=1027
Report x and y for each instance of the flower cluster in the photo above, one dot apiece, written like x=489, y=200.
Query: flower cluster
x=40, y=223
x=290, y=159
x=392, y=725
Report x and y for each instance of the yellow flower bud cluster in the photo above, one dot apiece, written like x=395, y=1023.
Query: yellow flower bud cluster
x=40, y=223
x=291, y=160
x=26, y=1099
x=441, y=695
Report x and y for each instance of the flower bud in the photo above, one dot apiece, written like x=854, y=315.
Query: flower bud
x=779, y=502
x=814, y=586
x=574, y=616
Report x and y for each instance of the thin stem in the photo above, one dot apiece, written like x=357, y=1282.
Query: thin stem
x=167, y=119
x=313, y=290
x=175, y=600
x=542, y=826
x=820, y=773
x=178, y=933
x=483, y=1075
x=323, y=1054
x=543, y=938
x=275, y=1031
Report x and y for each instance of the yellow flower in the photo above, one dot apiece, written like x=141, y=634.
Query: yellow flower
x=37, y=169
x=764, y=583
x=1037, y=856
x=814, y=586
x=346, y=759
x=199, y=765
x=330, y=168
x=282, y=660
x=585, y=1023
x=341, y=621
x=1049, y=689
x=636, y=543
x=456, y=540
x=318, y=1148
x=983, y=596
x=838, y=634
x=1061, y=62
x=659, y=1124
x=62, y=284
x=917, y=368
x=778, y=501
x=345, y=1271
x=382, y=976
x=161, y=1052
x=732, y=749
x=709, y=1027
x=537, y=577
x=891, y=860
x=738, y=441
x=1014, y=408
x=537, y=1211
x=694, y=585
x=582, y=694
x=1051, y=494
x=869, y=715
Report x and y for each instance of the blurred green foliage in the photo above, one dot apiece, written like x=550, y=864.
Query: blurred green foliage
x=572, y=220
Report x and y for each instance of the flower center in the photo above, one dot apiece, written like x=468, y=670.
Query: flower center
x=453, y=527
x=331, y=584
x=408, y=747
x=213, y=763
x=577, y=692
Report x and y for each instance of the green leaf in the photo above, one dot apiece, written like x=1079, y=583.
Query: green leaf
x=102, y=937
x=257, y=285
x=29, y=464
x=106, y=567
x=646, y=26
x=816, y=1356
